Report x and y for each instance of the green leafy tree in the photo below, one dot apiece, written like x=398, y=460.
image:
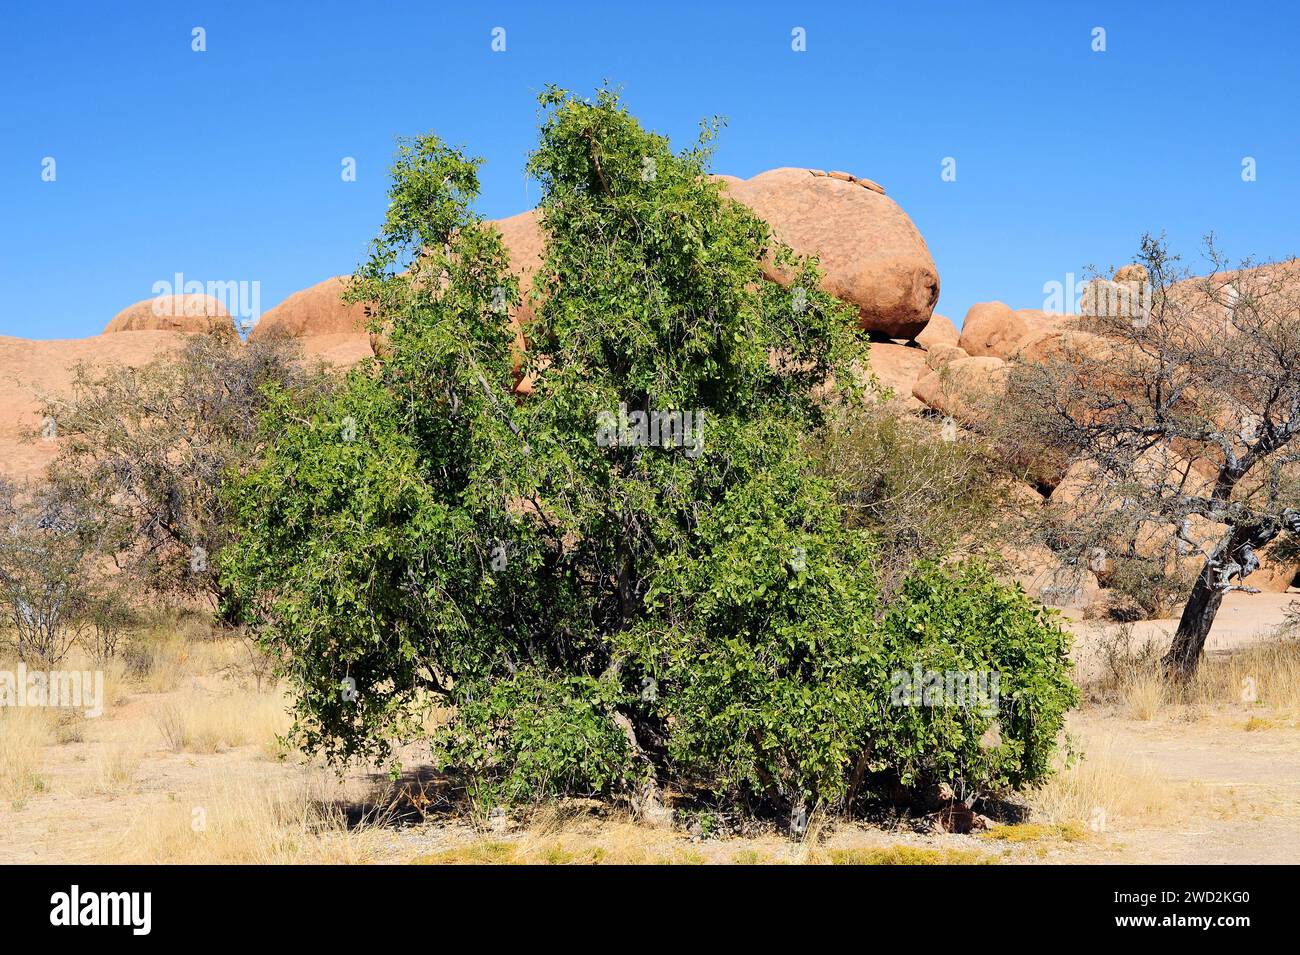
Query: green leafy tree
x=632, y=576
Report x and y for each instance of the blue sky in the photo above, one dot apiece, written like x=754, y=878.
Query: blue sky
x=225, y=165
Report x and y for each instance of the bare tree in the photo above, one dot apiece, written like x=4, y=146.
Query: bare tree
x=1178, y=398
x=44, y=551
x=147, y=451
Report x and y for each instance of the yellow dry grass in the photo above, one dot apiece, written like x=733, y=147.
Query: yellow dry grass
x=1145, y=697
x=116, y=767
x=199, y=722
x=1266, y=675
x=1101, y=790
x=908, y=855
x=25, y=732
x=244, y=820
x=1036, y=832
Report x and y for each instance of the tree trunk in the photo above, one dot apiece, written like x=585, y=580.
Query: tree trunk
x=647, y=800
x=1194, y=626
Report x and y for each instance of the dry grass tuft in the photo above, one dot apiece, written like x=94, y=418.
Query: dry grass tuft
x=1265, y=674
x=1101, y=790
x=1145, y=696
x=24, y=734
x=562, y=839
x=156, y=661
x=245, y=820
x=199, y=723
x=116, y=768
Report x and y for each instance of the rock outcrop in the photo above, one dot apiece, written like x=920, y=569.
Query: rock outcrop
x=31, y=370
x=995, y=329
x=897, y=367
x=942, y=354
x=939, y=331
x=317, y=310
x=172, y=313
x=965, y=389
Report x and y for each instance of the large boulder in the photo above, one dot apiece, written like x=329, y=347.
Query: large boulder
x=172, y=313
x=872, y=255
x=1277, y=571
x=1132, y=274
x=525, y=242
x=991, y=329
x=1126, y=299
x=939, y=331
x=318, y=310
x=343, y=350
x=995, y=329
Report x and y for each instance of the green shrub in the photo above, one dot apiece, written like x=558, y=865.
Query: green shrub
x=1142, y=588
x=960, y=620
x=533, y=735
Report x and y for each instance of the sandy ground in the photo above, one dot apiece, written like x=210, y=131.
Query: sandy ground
x=1227, y=792
x=1242, y=620
x=1242, y=789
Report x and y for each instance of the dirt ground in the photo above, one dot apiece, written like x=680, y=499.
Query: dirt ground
x=184, y=768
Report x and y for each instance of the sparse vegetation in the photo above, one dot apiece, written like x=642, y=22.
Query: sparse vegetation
x=247, y=821
x=1101, y=789
x=212, y=723
x=24, y=734
x=920, y=496
x=909, y=855
x=45, y=585
x=144, y=454
x=1179, y=407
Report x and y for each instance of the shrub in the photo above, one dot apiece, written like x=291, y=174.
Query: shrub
x=961, y=621
x=536, y=735
x=764, y=662
x=1142, y=588
x=44, y=552
x=144, y=452
x=105, y=621
x=919, y=495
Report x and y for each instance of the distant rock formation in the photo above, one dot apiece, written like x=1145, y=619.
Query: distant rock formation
x=172, y=313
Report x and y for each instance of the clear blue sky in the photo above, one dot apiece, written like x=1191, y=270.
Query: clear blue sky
x=225, y=165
